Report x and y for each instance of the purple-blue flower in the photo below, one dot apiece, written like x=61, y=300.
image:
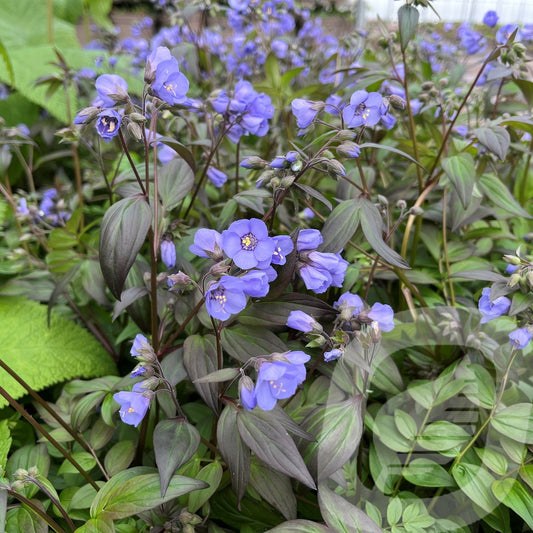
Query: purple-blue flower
x=349, y=305
x=168, y=253
x=302, y=321
x=520, y=338
x=225, y=298
x=255, y=283
x=278, y=380
x=139, y=343
x=308, y=239
x=365, y=109
x=108, y=124
x=283, y=246
x=510, y=269
x=472, y=41
x=490, y=18
x=321, y=270
x=492, y=309
x=216, y=177
x=110, y=89
x=503, y=34
x=305, y=112
x=133, y=405
x=383, y=315
x=170, y=85
x=332, y=355
x=247, y=242
x=247, y=393
x=207, y=243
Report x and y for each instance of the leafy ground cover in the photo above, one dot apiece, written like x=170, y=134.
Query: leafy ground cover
x=257, y=277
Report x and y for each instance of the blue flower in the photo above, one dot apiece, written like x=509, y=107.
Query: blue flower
x=349, y=305
x=492, y=309
x=216, y=177
x=255, y=283
x=520, y=338
x=503, y=34
x=111, y=88
x=247, y=393
x=302, y=322
x=139, y=343
x=472, y=41
x=305, y=112
x=308, y=239
x=278, y=380
x=365, y=109
x=321, y=270
x=168, y=253
x=108, y=124
x=383, y=315
x=510, y=269
x=225, y=298
x=207, y=243
x=332, y=355
x=170, y=85
x=247, y=242
x=283, y=246
x=133, y=405
x=490, y=18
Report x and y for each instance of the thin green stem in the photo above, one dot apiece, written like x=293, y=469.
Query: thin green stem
x=55, y=501
x=130, y=160
x=523, y=185
x=445, y=247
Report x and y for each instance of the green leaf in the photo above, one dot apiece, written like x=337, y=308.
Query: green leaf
x=300, y=526
x=269, y=440
x=520, y=302
x=26, y=457
x=442, y=435
x=124, y=229
x=480, y=388
x=84, y=459
x=119, y=457
x=475, y=482
x=200, y=359
x=394, y=511
x=233, y=450
x=495, y=138
x=385, y=428
x=372, y=226
x=427, y=473
x=7, y=63
x=97, y=525
x=5, y=445
x=219, y=376
x=51, y=355
x=212, y=475
x=100, y=10
x=175, y=442
x=407, y=23
x=138, y=489
x=342, y=516
x=494, y=460
x=340, y=226
x=385, y=466
x=515, y=422
x=175, y=180
x=405, y=424
x=274, y=487
x=23, y=519
x=337, y=428
x=498, y=193
x=513, y=494
x=243, y=342
x=461, y=172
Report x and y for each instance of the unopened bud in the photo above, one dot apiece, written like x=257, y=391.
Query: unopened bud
x=427, y=85
x=512, y=259
x=33, y=471
x=178, y=280
x=253, y=163
x=397, y=102
x=287, y=181
x=346, y=135
x=529, y=278
x=382, y=200
x=349, y=149
x=335, y=168
x=137, y=117
x=219, y=269
x=401, y=204
x=416, y=210
x=135, y=130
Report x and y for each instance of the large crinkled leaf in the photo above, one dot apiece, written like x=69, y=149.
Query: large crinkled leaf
x=475, y=481
x=44, y=356
x=272, y=444
x=343, y=517
x=124, y=229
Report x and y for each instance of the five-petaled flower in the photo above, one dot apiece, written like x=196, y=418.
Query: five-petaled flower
x=108, y=124
x=491, y=309
x=520, y=338
x=133, y=405
x=225, y=297
x=365, y=109
x=247, y=242
x=170, y=85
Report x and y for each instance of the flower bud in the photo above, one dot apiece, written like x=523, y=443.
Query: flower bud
x=135, y=130
x=219, y=269
x=512, y=259
x=346, y=135
x=349, y=149
x=253, y=163
x=137, y=117
x=20, y=474
x=397, y=102
x=286, y=182
x=416, y=210
x=401, y=204
x=335, y=168
x=178, y=280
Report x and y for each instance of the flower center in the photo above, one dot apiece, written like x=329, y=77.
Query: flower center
x=277, y=252
x=169, y=87
x=109, y=124
x=277, y=386
x=248, y=241
x=219, y=297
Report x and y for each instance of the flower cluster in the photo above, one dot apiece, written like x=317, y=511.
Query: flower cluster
x=318, y=270
x=278, y=378
x=245, y=113
x=247, y=243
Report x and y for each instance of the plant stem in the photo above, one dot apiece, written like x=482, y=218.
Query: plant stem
x=38, y=427
x=55, y=501
x=130, y=160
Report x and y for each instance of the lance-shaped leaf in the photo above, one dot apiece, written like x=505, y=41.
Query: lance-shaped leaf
x=200, y=359
x=183, y=151
x=407, y=22
x=461, y=172
x=513, y=494
x=495, y=138
x=175, y=180
x=123, y=232
x=301, y=526
x=342, y=516
x=338, y=428
x=273, y=445
x=243, y=342
x=475, y=482
x=175, y=442
x=212, y=475
x=340, y=226
x=138, y=489
x=274, y=487
x=515, y=422
x=372, y=226
x=498, y=193
x=233, y=450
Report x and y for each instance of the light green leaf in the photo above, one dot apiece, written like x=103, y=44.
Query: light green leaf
x=499, y=194
x=51, y=355
x=515, y=422
x=5, y=444
x=301, y=526
x=175, y=180
x=427, y=473
x=475, y=481
x=212, y=475
x=495, y=138
x=513, y=494
x=119, y=457
x=442, y=435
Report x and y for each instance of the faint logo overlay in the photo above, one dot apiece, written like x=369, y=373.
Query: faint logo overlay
x=438, y=381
